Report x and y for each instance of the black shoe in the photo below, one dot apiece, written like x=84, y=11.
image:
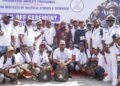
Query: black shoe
x=14, y=81
x=70, y=76
x=3, y=81
x=21, y=77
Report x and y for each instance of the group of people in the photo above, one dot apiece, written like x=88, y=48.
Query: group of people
x=108, y=7
x=29, y=49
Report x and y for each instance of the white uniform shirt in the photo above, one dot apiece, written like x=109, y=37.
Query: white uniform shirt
x=40, y=59
x=118, y=30
x=21, y=58
x=82, y=57
x=88, y=37
x=15, y=33
x=96, y=38
x=7, y=64
x=40, y=39
x=5, y=40
x=116, y=50
x=49, y=35
x=108, y=33
x=62, y=55
x=29, y=36
x=101, y=60
x=74, y=52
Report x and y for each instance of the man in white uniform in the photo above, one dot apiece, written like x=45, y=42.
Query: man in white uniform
x=8, y=64
x=116, y=51
x=27, y=36
x=100, y=57
x=62, y=56
x=5, y=34
x=39, y=34
x=88, y=35
x=74, y=51
x=15, y=35
x=74, y=28
x=82, y=57
x=97, y=34
x=108, y=41
x=49, y=34
x=24, y=61
x=40, y=60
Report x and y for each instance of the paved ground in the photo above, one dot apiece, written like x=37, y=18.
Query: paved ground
x=75, y=81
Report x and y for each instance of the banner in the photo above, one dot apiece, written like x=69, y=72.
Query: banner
x=54, y=10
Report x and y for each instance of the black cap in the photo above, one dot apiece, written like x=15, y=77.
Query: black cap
x=6, y=16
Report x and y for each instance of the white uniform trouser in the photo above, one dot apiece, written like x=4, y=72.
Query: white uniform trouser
x=111, y=66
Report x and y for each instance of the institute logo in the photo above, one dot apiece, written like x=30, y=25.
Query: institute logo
x=77, y=5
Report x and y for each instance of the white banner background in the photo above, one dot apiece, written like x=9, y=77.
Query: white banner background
x=55, y=10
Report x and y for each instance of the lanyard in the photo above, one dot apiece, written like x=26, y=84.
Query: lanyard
x=41, y=58
x=62, y=55
x=24, y=56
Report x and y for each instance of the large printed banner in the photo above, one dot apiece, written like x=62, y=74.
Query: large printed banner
x=54, y=10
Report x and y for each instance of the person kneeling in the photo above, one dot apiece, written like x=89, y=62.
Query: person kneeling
x=61, y=62
x=82, y=58
x=41, y=66
x=24, y=62
x=8, y=66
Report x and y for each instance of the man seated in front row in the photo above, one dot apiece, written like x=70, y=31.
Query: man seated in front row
x=8, y=66
x=83, y=56
x=62, y=57
x=74, y=54
x=40, y=60
x=24, y=61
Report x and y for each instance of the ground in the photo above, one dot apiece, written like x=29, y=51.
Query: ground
x=75, y=81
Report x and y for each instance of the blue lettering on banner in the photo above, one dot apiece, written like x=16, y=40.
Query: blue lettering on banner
x=35, y=17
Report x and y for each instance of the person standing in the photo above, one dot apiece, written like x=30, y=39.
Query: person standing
x=108, y=41
x=15, y=35
x=27, y=36
x=97, y=34
x=49, y=34
x=5, y=34
x=39, y=32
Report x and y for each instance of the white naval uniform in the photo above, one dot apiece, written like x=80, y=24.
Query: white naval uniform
x=111, y=58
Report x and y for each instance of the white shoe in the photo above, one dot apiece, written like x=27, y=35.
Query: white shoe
x=114, y=83
x=106, y=79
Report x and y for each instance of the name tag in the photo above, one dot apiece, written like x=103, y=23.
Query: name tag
x=12, y=70
x=82, y=38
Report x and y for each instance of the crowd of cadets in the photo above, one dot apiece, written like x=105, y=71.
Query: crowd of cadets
x=72, y=45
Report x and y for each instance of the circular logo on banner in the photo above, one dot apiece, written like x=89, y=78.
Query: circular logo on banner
x=77, y=5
